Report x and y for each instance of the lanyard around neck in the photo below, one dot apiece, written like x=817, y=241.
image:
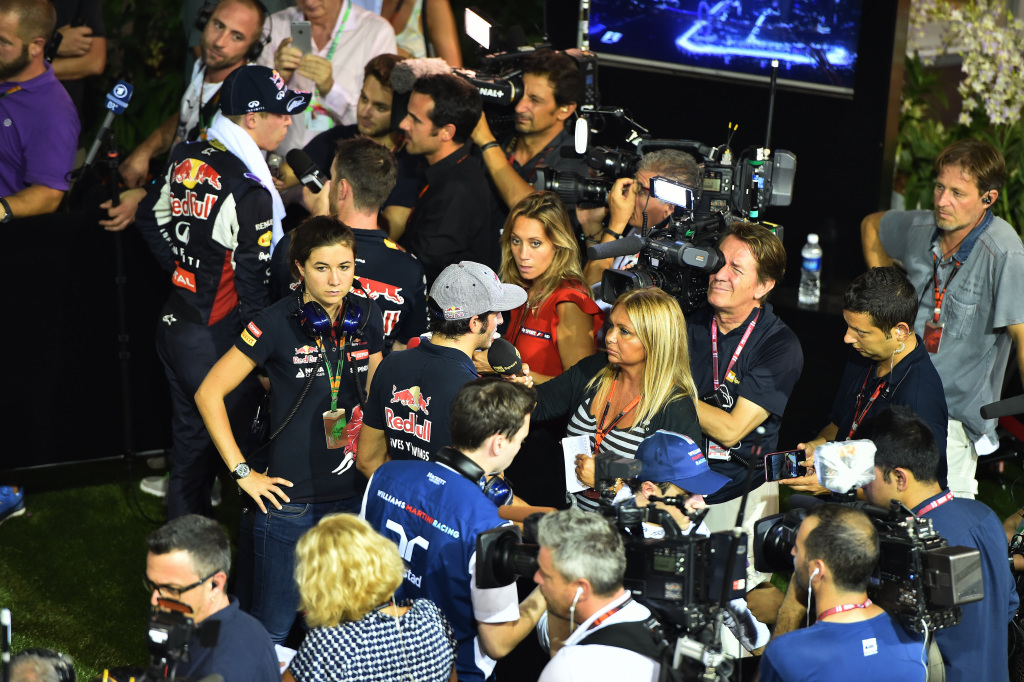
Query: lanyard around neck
x=735, y=356
x=843, y=607
x=601, y=431
x=934, y=504
x=334, y=378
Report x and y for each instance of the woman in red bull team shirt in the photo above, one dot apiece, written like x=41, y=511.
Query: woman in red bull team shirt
x=310, y=472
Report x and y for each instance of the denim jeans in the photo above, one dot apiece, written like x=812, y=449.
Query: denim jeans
x=274, y=595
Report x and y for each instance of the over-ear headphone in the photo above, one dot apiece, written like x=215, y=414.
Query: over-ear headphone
x=316, y=323
x=254, y=51
x=497, y=489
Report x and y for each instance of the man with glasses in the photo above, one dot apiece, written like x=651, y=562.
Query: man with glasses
x=410, y=400
x=631, y=206
x=187, y=570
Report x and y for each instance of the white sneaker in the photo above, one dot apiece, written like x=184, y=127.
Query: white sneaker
x=155, y=485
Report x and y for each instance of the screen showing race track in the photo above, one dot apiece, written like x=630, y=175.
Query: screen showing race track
x=815, y=41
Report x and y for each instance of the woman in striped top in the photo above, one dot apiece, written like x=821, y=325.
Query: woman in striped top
x=641, y=385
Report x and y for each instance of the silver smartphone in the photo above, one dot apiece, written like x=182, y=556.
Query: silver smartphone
x=302, y=36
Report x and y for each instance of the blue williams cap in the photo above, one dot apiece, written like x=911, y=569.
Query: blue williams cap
x=669, y=457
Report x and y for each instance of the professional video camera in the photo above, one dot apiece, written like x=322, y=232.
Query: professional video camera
x=685, y=579
x=920, y=579
x=168, y=634
x=499, y=73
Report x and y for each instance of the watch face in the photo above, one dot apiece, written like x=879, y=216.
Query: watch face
x=241, y=471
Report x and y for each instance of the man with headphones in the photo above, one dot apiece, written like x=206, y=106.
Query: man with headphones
x=187, y=569
x=852, y=638
x=888, y=366
x=552, y=89
x=967, y=266
x=232, y=35
x=434, y=512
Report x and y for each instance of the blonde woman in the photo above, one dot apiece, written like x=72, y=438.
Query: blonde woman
x=557, y=326
x=641, y=385
x=347, y=574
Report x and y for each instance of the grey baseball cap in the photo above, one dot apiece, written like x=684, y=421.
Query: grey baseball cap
x=467, y=289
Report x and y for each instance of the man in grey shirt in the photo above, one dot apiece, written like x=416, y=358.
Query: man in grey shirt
x=968, y=269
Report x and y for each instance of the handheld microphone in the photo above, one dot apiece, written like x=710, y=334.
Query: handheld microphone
x=1003, y=408
x=117, y=102
x=305, y=170
x=504, y=358
x=627, y=246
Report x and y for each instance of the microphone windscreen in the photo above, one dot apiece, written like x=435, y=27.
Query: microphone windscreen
x=306, y=170
x=504, y=358
x=627, y=246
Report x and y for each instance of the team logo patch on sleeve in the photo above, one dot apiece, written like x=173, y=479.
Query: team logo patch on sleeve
x=254, y=330
x=247, y=337
x=264, y=239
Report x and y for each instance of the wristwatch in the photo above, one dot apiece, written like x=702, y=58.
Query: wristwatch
x=7, y=211
x=240, y=471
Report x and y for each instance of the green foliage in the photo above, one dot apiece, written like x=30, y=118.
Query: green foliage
x=922, y=136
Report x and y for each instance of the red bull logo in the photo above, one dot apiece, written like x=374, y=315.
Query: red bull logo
x=192, y=172
x=377, y=290
x=419, y=429
x=411, y=398
x=277, y=80
x=191, y=206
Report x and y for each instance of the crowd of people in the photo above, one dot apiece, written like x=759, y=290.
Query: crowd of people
x=361, y=315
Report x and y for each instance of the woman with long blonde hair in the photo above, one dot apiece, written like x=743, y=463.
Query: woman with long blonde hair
x=642, y=384
x=558, y=324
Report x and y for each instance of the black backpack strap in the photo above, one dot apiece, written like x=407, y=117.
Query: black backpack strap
x=642, y=637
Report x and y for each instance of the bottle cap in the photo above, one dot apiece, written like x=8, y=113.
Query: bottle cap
x=812, y=238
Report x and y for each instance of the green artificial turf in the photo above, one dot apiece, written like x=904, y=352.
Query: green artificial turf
x=71, y=567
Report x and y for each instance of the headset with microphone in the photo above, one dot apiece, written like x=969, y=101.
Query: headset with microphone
x=497, y=489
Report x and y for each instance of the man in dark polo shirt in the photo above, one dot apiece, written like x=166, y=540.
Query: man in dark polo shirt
x=456, y=216
x=890, y=366
x=410, y=399
x=759, y=362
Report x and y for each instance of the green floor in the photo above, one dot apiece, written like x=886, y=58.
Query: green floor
x=70, y=569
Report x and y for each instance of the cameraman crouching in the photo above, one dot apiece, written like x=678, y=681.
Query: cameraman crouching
x=853, y=639
x=581, y=566
x=187, y=569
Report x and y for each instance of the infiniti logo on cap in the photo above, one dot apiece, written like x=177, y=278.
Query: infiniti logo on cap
x=254, y=103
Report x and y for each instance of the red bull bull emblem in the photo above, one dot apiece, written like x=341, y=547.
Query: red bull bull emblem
x=453, y=312
x=411, y=398
x=377, y=290
x=192, y=172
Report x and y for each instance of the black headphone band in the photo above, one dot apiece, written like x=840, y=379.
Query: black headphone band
x=464, y=465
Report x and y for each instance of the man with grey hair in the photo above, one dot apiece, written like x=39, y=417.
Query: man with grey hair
x=580, y=568
x=187, y=571
x=41, y=665
x=632, y=208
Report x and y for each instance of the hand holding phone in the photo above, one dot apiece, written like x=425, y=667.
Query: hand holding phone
x=302, y=36
x=784, y=465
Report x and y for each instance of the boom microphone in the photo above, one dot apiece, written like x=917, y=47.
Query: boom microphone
x=1003, y=408
x=305, y=170
x=504, y=358
x=627, y=246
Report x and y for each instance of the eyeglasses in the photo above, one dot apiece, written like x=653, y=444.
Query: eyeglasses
x=170, y=591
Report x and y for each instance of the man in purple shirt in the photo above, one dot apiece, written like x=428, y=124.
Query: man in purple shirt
x=39, y=131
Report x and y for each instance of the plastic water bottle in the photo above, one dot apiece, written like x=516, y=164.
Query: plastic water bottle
x=810, y=273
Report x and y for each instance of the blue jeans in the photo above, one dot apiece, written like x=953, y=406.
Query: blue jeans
x=275, y=596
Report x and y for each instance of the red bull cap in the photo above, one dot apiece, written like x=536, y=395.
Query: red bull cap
x=467, y=289
x=255, y=88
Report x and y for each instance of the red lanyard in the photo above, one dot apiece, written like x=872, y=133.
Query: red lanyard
x=608, y=614
x=934, y=504
x=858, y=415
x=510, y=151
x=941, y=295
x=736, y=355
x=10, y=91
x=601, y=431
x=843, y=607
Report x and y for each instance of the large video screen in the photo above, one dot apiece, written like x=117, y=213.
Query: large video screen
x=815, y=41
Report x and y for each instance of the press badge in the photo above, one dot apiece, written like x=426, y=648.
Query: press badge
x=932, y=336
x=334, y=429
x=716, y=451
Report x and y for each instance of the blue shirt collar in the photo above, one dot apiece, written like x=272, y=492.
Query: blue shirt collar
x=969, y=241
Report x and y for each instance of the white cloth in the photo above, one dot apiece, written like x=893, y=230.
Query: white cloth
x=962, y=461
x=762, y=502
x=595, y=662
x=366, y=35
x=239, y=143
